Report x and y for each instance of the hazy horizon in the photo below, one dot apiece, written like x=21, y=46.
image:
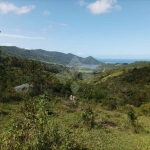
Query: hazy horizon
x=105, y=58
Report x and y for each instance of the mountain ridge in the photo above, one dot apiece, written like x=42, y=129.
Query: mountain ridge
x=48, y=56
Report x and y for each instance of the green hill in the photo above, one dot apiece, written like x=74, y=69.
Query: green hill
x=48, y=56
x=125, y=85
x=110, y=66
x=90, y=60
x=107, y=113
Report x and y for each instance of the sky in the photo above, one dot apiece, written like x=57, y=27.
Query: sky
x=99, y=28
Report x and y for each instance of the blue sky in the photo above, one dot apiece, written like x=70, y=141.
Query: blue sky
x=100, y=28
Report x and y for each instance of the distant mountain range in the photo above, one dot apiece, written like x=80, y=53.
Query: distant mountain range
x=48, y=56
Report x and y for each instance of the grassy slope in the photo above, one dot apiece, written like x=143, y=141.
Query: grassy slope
x=112, y=75
x=108, y=66
x=103, y=137
x=107, y=138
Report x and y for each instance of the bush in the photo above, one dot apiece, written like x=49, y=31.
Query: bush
x=133, y=119
x=145, y=108
x=109, y=104
x=88, y=117
x=37, y=131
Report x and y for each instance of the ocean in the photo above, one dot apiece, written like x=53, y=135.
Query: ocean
x=121, y=60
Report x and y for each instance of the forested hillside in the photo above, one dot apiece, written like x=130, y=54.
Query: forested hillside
x=47, y=56
x=16, y=71
x=109, y=110
x=125, y=86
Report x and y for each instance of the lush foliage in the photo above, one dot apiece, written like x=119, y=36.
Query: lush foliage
x=45, y=118
x=48, y=57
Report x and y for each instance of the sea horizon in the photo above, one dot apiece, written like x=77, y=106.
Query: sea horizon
x=113, y=60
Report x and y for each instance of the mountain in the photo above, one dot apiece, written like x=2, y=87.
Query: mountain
x=48, y=56
x=90, y=60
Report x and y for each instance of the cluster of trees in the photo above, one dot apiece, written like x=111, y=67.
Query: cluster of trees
x=130, y=87
x=34, y=127
x=17, y=71
x=48, y=56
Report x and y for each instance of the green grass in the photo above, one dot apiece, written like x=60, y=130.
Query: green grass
x=85, y=70
x=112, y=75
x=68, y=116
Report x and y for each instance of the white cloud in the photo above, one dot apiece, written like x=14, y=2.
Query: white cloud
x=6, y=8
x=103, y=6
x=81, y=2
x=46, y=12
x=24, y=37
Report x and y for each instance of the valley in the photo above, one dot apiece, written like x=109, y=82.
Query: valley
x=111, y=109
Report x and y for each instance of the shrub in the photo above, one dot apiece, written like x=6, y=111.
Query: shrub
x=88, y=117
x=145, y=108
x=37, y=131
x=133, y=118
x=109, y=104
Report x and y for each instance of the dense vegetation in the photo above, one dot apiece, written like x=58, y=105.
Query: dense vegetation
x=125, y=86
x=111, y=66
x=48, y=56
x=111, y=110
